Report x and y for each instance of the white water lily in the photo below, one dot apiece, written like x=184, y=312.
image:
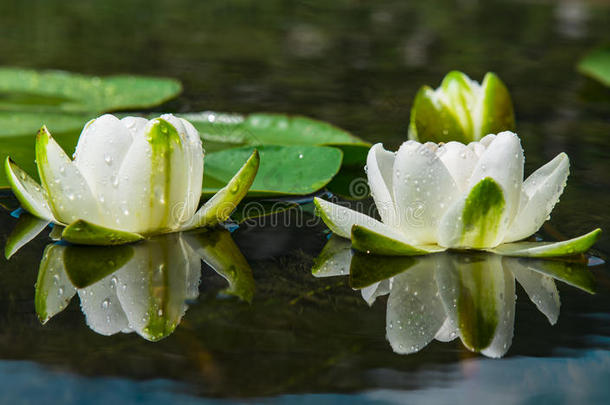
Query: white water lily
x=433, y=197
x=451, y=295
x=461, y=109
x=130, y=178
x=142, y=288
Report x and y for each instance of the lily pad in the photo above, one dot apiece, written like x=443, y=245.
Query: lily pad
x=287, y=170
x=234, y=130
x=54, y=91
x=596, y=64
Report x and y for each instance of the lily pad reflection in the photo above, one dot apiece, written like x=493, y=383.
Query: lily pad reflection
x=449, y=295
x=142, y=288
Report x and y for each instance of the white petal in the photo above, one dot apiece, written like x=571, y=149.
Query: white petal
x=371, y=292
x=99, y=154
x=505, y=311
x=134, y=124
x=379, y=164
x=503, y=161
x=70, y=197
x=414, y=311
x=487, y=140
x=459, y=161
x=477, y=148
x=447, y=332
x=540, y=288
x=195, y=156
x=159, y=265
x=102, y=308
x=423, y=190
x=341, y=219
x=152, y=184
x=541, y=192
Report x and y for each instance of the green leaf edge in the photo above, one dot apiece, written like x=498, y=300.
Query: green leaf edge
x=371, y=242
x=570, y=247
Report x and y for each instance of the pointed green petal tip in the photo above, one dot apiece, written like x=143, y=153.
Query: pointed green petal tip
x=569, y=247
x=368, y=241
x=85, y=233
x=27, y=228
x=28, y=192
x=220, y=207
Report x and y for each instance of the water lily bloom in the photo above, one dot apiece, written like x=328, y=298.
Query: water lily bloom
x=461, y=110
x=433, y=197
x=142, y=288
x=130, y=178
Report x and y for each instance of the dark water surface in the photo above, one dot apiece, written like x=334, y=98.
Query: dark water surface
x=304, y=339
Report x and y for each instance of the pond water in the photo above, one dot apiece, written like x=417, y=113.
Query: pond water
x=275, y=333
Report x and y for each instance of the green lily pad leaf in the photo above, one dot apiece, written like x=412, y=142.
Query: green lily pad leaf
x=85, y=265
x=335, y=258
x=27, y=228
x=54, y=290
x=18, y=136
x=85, y=233
x=366, y=270
x=369, y=241
x=596, y=64
x=275, y=129
x=220, y=207
x=284, y=170
x=54, y=91
x=218, y=250
x=569, y=247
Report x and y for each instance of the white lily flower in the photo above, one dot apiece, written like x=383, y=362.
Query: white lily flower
x=433, y=197
x=142, y=288
x=446, y=296
x=461, y=109
x=130, y=178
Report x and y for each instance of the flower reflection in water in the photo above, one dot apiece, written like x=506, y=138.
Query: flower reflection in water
x=143, y=288
x=449, y=295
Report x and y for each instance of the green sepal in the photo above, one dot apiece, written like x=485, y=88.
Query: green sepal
x=27, y=228
x=85, y=265
x=568, y=247
x=28, y=192
x=575, y=274
x=334, y=259
x=219, y=251
x=366, y=270
x=85, y=233
x=220, y=207
x=54, y=291
x=371, y=242
x=496, y=111
x=432, y=121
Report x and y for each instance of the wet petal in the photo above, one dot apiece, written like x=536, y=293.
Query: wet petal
x=423, y=190
x=102, y=145
x=341, y=219
x=70, y=197
x=32, y=197
x=541, y=191
x=503, y=161
x=459, y=161
x=379, y=164
x=476, y=220
x=387, y=244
